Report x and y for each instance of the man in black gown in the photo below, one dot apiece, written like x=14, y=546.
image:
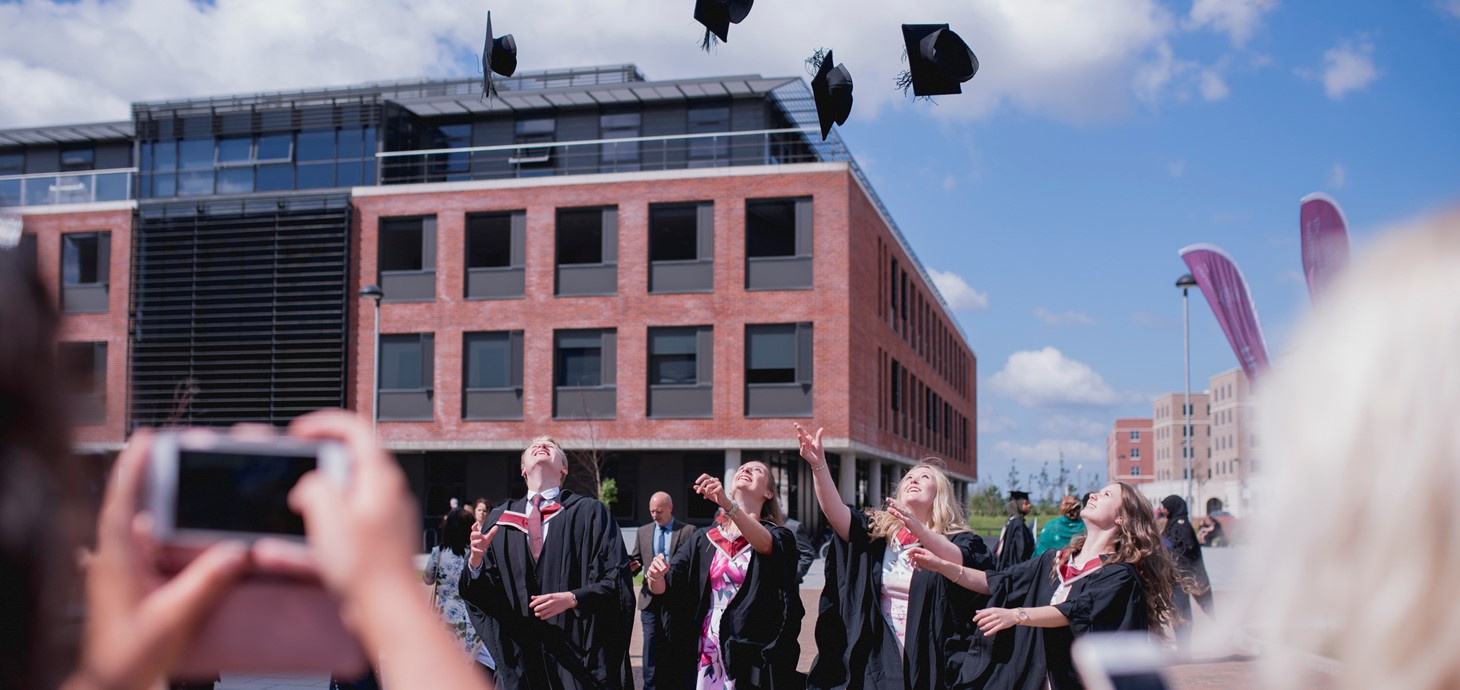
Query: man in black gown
x=1016, y=542
x=548, y=585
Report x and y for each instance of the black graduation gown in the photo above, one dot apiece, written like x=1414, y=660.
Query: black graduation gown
x=1017, y=543
x=858, y=649
x=759, y=628
x=1180, y=540
x=1109, y=599
x=583, y=552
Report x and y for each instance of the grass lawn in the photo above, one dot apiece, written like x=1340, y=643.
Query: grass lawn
x=988, y=525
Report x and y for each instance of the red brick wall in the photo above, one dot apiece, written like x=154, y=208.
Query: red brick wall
x=842, y=306
x=110, y=327
x=1121, y=445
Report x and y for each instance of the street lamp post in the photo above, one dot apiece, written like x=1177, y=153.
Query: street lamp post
x=1186, y=282
x=374, y=293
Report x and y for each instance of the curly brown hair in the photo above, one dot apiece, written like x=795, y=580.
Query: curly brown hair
x=1138, y=542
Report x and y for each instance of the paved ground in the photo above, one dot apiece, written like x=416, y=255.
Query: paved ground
x=1213, y=669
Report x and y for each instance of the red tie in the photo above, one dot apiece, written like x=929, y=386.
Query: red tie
x=534, y=528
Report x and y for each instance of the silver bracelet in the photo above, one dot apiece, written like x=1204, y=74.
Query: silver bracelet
x=730, y=512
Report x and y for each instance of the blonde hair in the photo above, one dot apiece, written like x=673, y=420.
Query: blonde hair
x=947, y=516
x=554, y=448
x=1362, y=413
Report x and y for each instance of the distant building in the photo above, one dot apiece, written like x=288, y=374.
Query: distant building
x=662, y=274
x=1128, y=452
x=1223, y=446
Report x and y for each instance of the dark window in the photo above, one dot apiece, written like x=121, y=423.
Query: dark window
x=490, y=359
x=778, y=353
x=770, y=228
x=406, y=362
x=12, y=164
x=489, y=240
x=580, y=236
x=580, y=359
x=708, y=151
x=674, y=356
x=84, y=258
x=275, y=147
x=316, y=145
x=407, y=258
x=78, y=158
x=195, y=161
x=539, y=130
x=235, y=150
x=896, y=386
x=448, y=166
x=625, y=156
x=893, y=281
x=673, y=233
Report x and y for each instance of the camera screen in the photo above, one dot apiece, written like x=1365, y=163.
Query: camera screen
x=239, y=492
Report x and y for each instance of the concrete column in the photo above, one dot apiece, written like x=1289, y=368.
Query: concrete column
x=732, y=463
x=846, y=483
x=874, y=482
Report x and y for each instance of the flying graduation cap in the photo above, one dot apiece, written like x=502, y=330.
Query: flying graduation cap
x=938, y=60
x=832, y=90
x=717, y=16
x=498, y=55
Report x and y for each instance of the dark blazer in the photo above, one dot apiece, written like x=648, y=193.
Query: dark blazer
x=643, y=552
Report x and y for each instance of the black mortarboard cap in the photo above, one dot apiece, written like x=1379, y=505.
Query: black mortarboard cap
x=717, y=16
x=498, y=55
x=1018, y=495
x=938, y=59
x=832, y=90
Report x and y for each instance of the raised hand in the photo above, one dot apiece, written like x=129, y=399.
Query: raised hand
x=923, y=559
x=545, y=606
x=713, y=490
x=811, y=448
x=903, y=514
x=479, y=544
x=658, y=568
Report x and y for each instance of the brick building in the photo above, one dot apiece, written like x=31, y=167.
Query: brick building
x=660, y=274
x=1128, y=452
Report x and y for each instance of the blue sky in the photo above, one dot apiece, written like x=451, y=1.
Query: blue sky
x=1099, y=137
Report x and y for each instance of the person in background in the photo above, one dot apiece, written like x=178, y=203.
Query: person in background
x=730, y=593
x=806, y=552
x=443, y=573
x=1058, y=532
x=1115, y=577
x=480, y=510
x=1211, y=533
x=881, y=625
x=1192, y=583
x=1359, y=416
x=661, y=537
x=1016, y=542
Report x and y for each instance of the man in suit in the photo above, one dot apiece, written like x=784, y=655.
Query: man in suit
x=662, y=536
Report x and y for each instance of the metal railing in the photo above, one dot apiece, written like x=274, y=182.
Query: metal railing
x=590, y=156
x=81, y=187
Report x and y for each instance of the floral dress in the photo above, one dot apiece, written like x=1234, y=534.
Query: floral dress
x=448, y=565
x=727, y=573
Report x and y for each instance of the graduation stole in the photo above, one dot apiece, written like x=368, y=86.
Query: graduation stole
x=731, y=548
x=1069, y=575
x=905, y=538
x=518, y=521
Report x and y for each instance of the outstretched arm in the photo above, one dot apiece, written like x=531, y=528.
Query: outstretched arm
x=754, y=532
x=965, y=577
x=838, y=515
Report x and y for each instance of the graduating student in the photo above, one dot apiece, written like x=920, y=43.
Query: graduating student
x=730, y=594
x=882, y=625
x=1016, y=542
x=1116, y=576
x=549, y=587
x=1180, y=541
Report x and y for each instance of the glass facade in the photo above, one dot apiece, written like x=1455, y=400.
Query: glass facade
x=316, y=158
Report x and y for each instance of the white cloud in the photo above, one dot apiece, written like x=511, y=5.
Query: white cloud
x=1077, y=318
x=1176, y=168
x=1338, y=176
x=957, y=292
x=84, y=61
x=990, y=422
x=1239, y=19
x=1049, y=450
x=1348, y=67
x=1040, y=378
x=1060, y=425
x=1213, y=87
x=1451, y=6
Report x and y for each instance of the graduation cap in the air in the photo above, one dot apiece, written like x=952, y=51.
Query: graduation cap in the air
x=938, y=60
x=1018, y=495
x=717, y=16
x=832, y=90
x=498, y=55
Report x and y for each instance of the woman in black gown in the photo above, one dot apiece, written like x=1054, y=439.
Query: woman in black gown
x=1116, y=576
x=1180, y=541
x=881, y=624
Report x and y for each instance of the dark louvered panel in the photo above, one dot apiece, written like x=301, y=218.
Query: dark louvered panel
x=239, y=310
